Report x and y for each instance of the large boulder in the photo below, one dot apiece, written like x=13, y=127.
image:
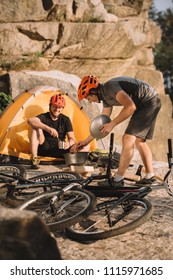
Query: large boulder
x=24, y=236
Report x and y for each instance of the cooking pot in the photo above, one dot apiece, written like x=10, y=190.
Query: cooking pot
x=78, y=158
x=96, y=125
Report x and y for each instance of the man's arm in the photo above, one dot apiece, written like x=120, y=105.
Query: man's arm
x=107, y=111
x=128, y=109
x=36, y=123
x=71, y=138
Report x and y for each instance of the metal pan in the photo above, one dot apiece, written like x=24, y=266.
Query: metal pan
x=78, y=158
x=96, y=125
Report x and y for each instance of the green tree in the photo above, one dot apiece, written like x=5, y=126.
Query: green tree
x=5, y=99
x=163, y=53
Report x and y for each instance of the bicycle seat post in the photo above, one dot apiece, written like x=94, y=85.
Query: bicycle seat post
x=169, y=154
x=110, y=155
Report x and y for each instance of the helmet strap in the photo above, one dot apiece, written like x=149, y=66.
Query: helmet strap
x=96, y=92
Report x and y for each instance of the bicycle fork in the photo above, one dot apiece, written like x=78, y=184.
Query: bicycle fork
x=111, y=222
x=58, y=195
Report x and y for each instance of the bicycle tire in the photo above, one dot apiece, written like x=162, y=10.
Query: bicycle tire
x=53, y=176
x=19, y=195
x=12, y=169
x=125, y=222
x=82, y=204
x=168, y=182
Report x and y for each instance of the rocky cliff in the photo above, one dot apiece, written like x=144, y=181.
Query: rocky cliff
x=77, y=37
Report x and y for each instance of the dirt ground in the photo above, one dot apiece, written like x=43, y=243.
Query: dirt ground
x=151, y=241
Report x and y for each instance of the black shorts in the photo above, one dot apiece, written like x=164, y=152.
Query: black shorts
x=51, y=150
x=143, y=121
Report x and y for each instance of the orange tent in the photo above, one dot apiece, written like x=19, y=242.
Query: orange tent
x=14, y=134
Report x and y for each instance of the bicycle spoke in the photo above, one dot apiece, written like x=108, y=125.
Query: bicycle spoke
x=71, y=206
x=107, y=220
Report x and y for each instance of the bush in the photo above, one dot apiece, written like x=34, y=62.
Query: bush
x=5, y=99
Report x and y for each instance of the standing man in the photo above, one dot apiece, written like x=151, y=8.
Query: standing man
x=140, y=102
x=49, y=131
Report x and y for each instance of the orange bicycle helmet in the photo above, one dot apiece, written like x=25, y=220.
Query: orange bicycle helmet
x=87, y=83
x=58, y=100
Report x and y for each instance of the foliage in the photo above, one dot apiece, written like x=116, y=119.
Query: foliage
x=163, y=53
x=5, y=99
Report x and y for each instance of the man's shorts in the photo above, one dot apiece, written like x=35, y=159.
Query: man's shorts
x=51, y=150
x=143, y=120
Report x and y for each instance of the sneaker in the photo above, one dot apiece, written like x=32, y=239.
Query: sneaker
x=35, y=163
x=119, y=183
x=145, y=181
x=105, y=183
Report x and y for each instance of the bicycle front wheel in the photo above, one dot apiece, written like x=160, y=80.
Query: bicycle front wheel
x=71, y=207
x=168, y=182
x=111, y=219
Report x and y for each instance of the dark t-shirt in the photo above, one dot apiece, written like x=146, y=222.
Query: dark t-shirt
x=62, y=125
x=139, y=91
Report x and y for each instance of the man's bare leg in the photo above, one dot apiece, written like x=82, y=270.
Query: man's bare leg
x=36, y=139
x=145, y=154
x=128, y=144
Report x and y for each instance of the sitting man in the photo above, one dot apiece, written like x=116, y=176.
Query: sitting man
x=49, y=131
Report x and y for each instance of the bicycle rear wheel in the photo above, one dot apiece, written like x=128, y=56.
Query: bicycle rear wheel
x=7, y=170
x=71, y=207
x=12, y=169
x=111, y=219
x=53, y=176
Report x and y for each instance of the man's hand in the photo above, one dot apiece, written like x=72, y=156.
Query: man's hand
x=107, y=127
x=74, y=149
x=53, y=132
x=81, y=144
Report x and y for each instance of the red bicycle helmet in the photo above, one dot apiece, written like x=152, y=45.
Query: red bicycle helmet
x=87, y=83
x=58, y=100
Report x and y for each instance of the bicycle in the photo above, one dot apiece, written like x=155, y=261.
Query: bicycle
x=80, y=204
x=124, y=199
x=13, y=181
x=96, y=225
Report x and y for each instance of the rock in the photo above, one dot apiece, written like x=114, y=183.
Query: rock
x=96, y=12
x=105, y=38
x=24, y=236
x=21, y=10
x=128, y=8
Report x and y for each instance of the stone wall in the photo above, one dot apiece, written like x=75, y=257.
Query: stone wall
x=105, y=38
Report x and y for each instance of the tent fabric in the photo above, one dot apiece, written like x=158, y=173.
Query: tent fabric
x=15, y=131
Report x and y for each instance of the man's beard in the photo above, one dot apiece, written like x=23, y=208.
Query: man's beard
x=54, y=116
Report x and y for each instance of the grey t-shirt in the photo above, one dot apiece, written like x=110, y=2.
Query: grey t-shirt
x=139, y=91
